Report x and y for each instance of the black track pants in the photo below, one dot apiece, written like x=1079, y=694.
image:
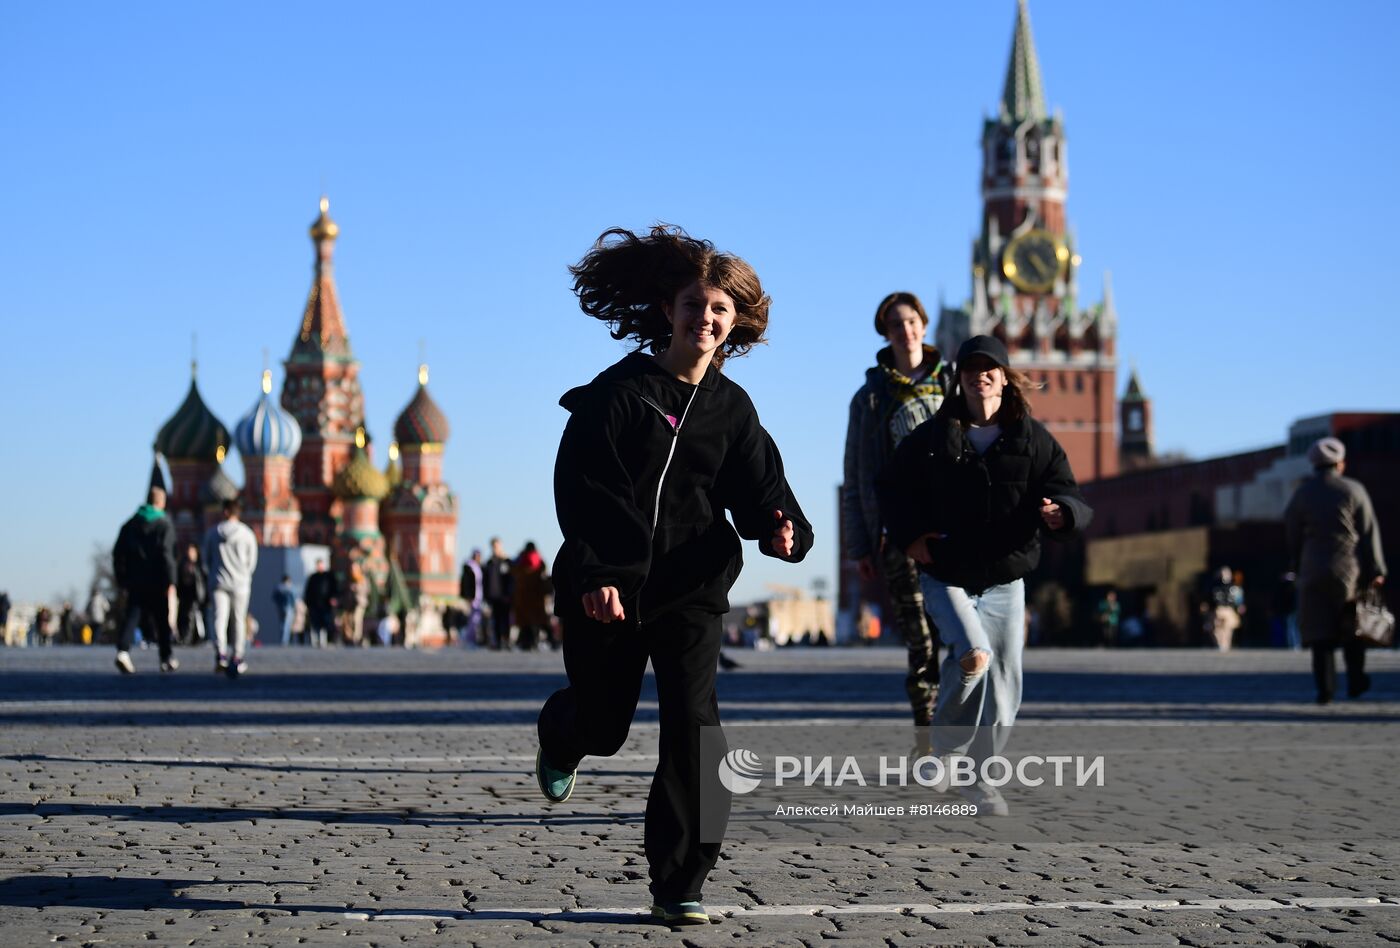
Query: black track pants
x=591, y=718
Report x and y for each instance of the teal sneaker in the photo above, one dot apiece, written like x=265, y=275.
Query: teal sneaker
x=681, y=913
x=556, y=785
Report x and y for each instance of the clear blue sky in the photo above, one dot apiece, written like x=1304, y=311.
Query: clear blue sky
x=1231, y=163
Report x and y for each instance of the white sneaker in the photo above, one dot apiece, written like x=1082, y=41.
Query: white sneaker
x=989, y=800
x=170, y=664
x=124, y=663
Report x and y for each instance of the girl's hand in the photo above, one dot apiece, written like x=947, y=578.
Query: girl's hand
x=604, y=605
x=918, y=550
x=782, y=535
x=1051, y=513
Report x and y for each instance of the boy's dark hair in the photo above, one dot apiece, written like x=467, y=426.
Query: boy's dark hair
x=233, y=506
x=625, y=280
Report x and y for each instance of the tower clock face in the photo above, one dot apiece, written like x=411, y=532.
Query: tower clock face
x=1033, y=260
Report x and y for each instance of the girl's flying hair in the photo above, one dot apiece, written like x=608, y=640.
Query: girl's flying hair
x=626, y=279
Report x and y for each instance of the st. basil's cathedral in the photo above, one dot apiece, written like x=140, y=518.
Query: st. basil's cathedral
x=310, y=479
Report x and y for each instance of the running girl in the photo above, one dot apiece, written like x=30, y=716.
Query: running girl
x=657, y=448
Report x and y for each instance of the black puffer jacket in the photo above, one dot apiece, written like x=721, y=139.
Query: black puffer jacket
x=143, y=559
x=988, y=505
x=647, y=466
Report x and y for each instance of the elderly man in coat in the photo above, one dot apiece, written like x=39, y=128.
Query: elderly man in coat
x=1335, y=546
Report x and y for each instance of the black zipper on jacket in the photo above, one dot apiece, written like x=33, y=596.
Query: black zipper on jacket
x=661, y=481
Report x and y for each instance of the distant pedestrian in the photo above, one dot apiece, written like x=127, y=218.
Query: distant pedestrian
x=1223, y=609
x=1334, y=543
x=1107, y=615
x=231, y=550
x=500, y=591
x=191, y=591
x=472, y=589
x=284, y=599
x=322, y=593
x=143, y=561
x=358, y=597
x=99, y=609
x=531, y=590
x=1003, y=482
x=902, y=390
x=4, y=610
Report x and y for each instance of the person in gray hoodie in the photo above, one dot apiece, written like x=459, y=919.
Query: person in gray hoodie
x=231, y=550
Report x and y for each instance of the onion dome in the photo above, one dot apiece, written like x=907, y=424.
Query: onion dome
x=192, y=433
x=393, y=473
x=422, y=422
x=360, y=479
x=268, y=430
x=218, y=488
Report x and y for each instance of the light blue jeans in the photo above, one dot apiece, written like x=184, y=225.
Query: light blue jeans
x=980, y=707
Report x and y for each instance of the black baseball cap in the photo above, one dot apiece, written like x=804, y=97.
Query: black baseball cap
x=989, y=346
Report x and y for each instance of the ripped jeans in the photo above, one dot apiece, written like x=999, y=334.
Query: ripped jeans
x=977, y=707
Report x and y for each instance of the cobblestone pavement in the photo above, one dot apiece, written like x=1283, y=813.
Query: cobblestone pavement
x=376, y=797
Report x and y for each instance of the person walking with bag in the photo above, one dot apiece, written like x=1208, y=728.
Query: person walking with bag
x=1002, y=482
x=1334, y=543
x=902, y=391
x=656, y=449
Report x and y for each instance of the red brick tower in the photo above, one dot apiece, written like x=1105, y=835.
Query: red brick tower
x=1135, y=422
x=1025, y=288
x=420, y=516
x=322, y=392
x=268, y=438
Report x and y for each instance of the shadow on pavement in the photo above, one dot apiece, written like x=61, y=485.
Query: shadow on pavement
x=114, y=893
x=388, y=816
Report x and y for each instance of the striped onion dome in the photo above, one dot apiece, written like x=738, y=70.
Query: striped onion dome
x=268, y=430
x=360, y=479
x=192, y=433
x=219, y=488
x=422, y=422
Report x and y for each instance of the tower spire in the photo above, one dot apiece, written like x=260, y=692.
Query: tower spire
x=1023, y=96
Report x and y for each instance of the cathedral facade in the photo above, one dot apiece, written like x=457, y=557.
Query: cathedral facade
x=310, y=477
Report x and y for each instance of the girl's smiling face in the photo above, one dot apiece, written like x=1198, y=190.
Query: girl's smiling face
x=701, y=317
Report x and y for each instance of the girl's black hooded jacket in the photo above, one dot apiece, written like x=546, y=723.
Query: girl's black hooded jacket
x=987, y=505
x=647, y=466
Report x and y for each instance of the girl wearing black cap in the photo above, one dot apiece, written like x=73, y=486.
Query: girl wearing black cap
x=656, y=449
x=1001, y=481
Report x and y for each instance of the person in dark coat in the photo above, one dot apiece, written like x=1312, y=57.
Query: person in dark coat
x=191, y=592
x=531, y=591
x=1334, y=543
x=321, y=595
x=1002, y=481
x=657, y=448
x=144, y=563
x=498, y=582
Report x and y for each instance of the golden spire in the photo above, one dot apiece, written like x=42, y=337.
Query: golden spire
x=393, y=450
x=324, y=228
x=220, y=454
x=360, y=437
x=267, y=381
x=423, y=374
